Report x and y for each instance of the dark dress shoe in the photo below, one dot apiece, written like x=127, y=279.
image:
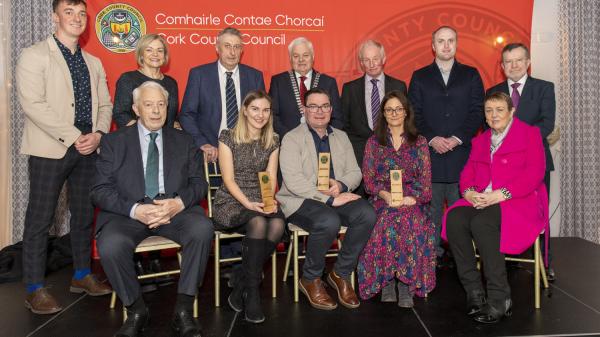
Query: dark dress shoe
x=135, y=323
x=475, y=302
x=493, y=314
x=146, y=285
x=90, y=285
x=185, y=325
x=550, y=274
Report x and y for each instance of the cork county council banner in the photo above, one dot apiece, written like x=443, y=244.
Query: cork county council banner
x=336, y=28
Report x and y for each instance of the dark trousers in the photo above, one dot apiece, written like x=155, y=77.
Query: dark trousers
x=441, y=193
x=323, y=223
x=465, y=225
x=119, y=236
x=46, y=179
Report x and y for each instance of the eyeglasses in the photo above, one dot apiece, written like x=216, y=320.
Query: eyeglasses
x=371, y=62
x=398, y=110
x=314, y=108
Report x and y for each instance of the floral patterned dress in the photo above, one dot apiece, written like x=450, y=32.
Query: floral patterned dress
x=401, y=244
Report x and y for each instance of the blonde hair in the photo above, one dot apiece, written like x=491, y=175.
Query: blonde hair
x=144, y=42
x=240, y=130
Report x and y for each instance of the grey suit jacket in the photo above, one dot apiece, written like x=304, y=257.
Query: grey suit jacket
x=299, y=167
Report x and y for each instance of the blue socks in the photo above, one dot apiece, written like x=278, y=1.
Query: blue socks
x=31, y=287
x=81, y=273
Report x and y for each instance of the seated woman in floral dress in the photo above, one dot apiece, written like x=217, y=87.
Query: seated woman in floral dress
x=400, y=250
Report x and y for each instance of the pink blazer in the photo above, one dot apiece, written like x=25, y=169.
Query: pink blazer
x=519, y=166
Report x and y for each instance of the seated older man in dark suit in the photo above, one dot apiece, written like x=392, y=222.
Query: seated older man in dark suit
x=149, y=181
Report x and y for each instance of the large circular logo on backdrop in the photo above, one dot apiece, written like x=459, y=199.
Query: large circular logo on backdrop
x=406, y=37
x=119, y=27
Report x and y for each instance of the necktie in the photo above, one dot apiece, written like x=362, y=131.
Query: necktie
x=375, y=102
x=516, y=97
x=303, y=89
x=151, y=178
x=230, y=101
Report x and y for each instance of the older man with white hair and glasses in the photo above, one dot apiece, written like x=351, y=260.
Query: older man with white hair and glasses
x=289, y=87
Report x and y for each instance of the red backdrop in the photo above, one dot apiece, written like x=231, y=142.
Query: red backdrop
x=335, y=28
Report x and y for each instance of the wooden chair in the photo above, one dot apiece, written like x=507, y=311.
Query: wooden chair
x=213, y=178
x=298, y=232
x=539, y=271
x=154, y=243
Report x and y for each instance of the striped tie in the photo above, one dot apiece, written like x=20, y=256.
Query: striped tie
x=230, y=101
x=375, y=102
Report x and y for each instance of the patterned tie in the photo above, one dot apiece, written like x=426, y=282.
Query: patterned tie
x=303, y=89
x=230, y=101
x=516, y=97
x=375, y=102
x=152, y=167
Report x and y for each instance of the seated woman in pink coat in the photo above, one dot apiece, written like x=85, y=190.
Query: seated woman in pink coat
x=504, y=208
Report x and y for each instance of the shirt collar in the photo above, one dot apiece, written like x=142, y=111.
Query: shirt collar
x=224, y=70
x=64, y=48
x=308, y=74
x=521, y=81
x=381, y=78
x=329, y=131
x=145, y=132
x=441, y=69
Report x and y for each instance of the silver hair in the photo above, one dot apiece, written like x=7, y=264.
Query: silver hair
x=298, y=41
x=371, y=43
x=230, y=31
x=149, y=84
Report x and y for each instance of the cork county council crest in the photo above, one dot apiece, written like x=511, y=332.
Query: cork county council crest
x=119, y=27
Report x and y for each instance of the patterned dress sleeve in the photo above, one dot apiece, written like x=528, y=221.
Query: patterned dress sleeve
x=226, y=138
x=421, y=188
x=369, y=168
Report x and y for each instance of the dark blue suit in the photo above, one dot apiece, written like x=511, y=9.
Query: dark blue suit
x=201, y=107
x=354, y=111
x=455, y=109
x=285, y=109
x=537, y=107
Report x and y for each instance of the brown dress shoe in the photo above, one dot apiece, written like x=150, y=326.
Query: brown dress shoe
x=346, y=294
x=41, y=302
x=89, y=285
x=316, y=294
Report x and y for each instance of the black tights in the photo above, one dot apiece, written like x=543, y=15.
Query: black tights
x=260, y=227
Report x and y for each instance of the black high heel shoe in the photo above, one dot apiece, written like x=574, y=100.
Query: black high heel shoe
x=475, y=302
x=491, y=314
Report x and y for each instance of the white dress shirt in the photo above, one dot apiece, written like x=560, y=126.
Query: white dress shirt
x=520, y=88
x=223, y=83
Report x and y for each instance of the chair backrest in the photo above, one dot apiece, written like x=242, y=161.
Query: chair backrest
x=213, y=177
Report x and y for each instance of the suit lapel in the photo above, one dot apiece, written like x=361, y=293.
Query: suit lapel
x=437, y=74
x=244, y=85
x=58, y=57
x=137, y=170
x=360, y=95
x=454, y=73
x=312, y=151
x=216, y=89
x=168, y=153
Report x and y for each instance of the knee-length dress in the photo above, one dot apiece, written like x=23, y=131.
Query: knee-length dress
x=401, y=244
x=248, y=160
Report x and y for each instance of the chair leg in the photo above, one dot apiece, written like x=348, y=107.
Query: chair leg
x=124, y=314
x=352, y=281
x=274, y=273
x=113, y=299
x=536, y=273
x=196, y=306
x=543, y=271
x=288, y=257
x=217, y=271
x=296, y=278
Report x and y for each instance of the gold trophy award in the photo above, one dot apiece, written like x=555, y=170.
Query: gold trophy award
x=396, y=187
x=323, y=174
x=266, y=192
